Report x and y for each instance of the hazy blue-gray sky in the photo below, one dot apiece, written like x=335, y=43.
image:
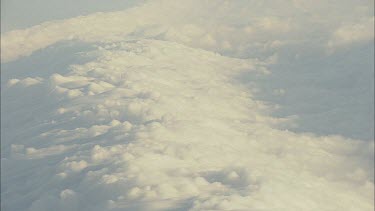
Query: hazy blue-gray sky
x=16, y=14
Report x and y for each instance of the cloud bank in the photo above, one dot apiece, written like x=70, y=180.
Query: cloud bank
x=230, y=27
x=151, y=117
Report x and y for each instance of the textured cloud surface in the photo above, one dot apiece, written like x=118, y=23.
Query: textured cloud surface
x=226, y=26
x=147, y=109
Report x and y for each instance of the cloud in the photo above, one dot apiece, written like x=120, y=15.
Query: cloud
x=170, y=132
x=153, y=117
x=362, y=31
x=243, y=31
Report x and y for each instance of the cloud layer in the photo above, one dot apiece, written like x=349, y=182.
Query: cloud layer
x=230, y=27
x=151, y=125
x=151, y=115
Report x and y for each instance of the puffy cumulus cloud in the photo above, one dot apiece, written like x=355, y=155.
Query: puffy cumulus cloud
x=157, y=125
x=230, y=27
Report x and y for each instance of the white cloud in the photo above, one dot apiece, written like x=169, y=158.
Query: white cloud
x=229, y=27
x=151, y=121
x=350, y=33
x=200, y=143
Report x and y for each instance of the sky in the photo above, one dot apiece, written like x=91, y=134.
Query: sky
x=19, y=14
x=187, y=105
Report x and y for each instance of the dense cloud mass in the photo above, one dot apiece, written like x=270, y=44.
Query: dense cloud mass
x=157, y=107
x=226, y=26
